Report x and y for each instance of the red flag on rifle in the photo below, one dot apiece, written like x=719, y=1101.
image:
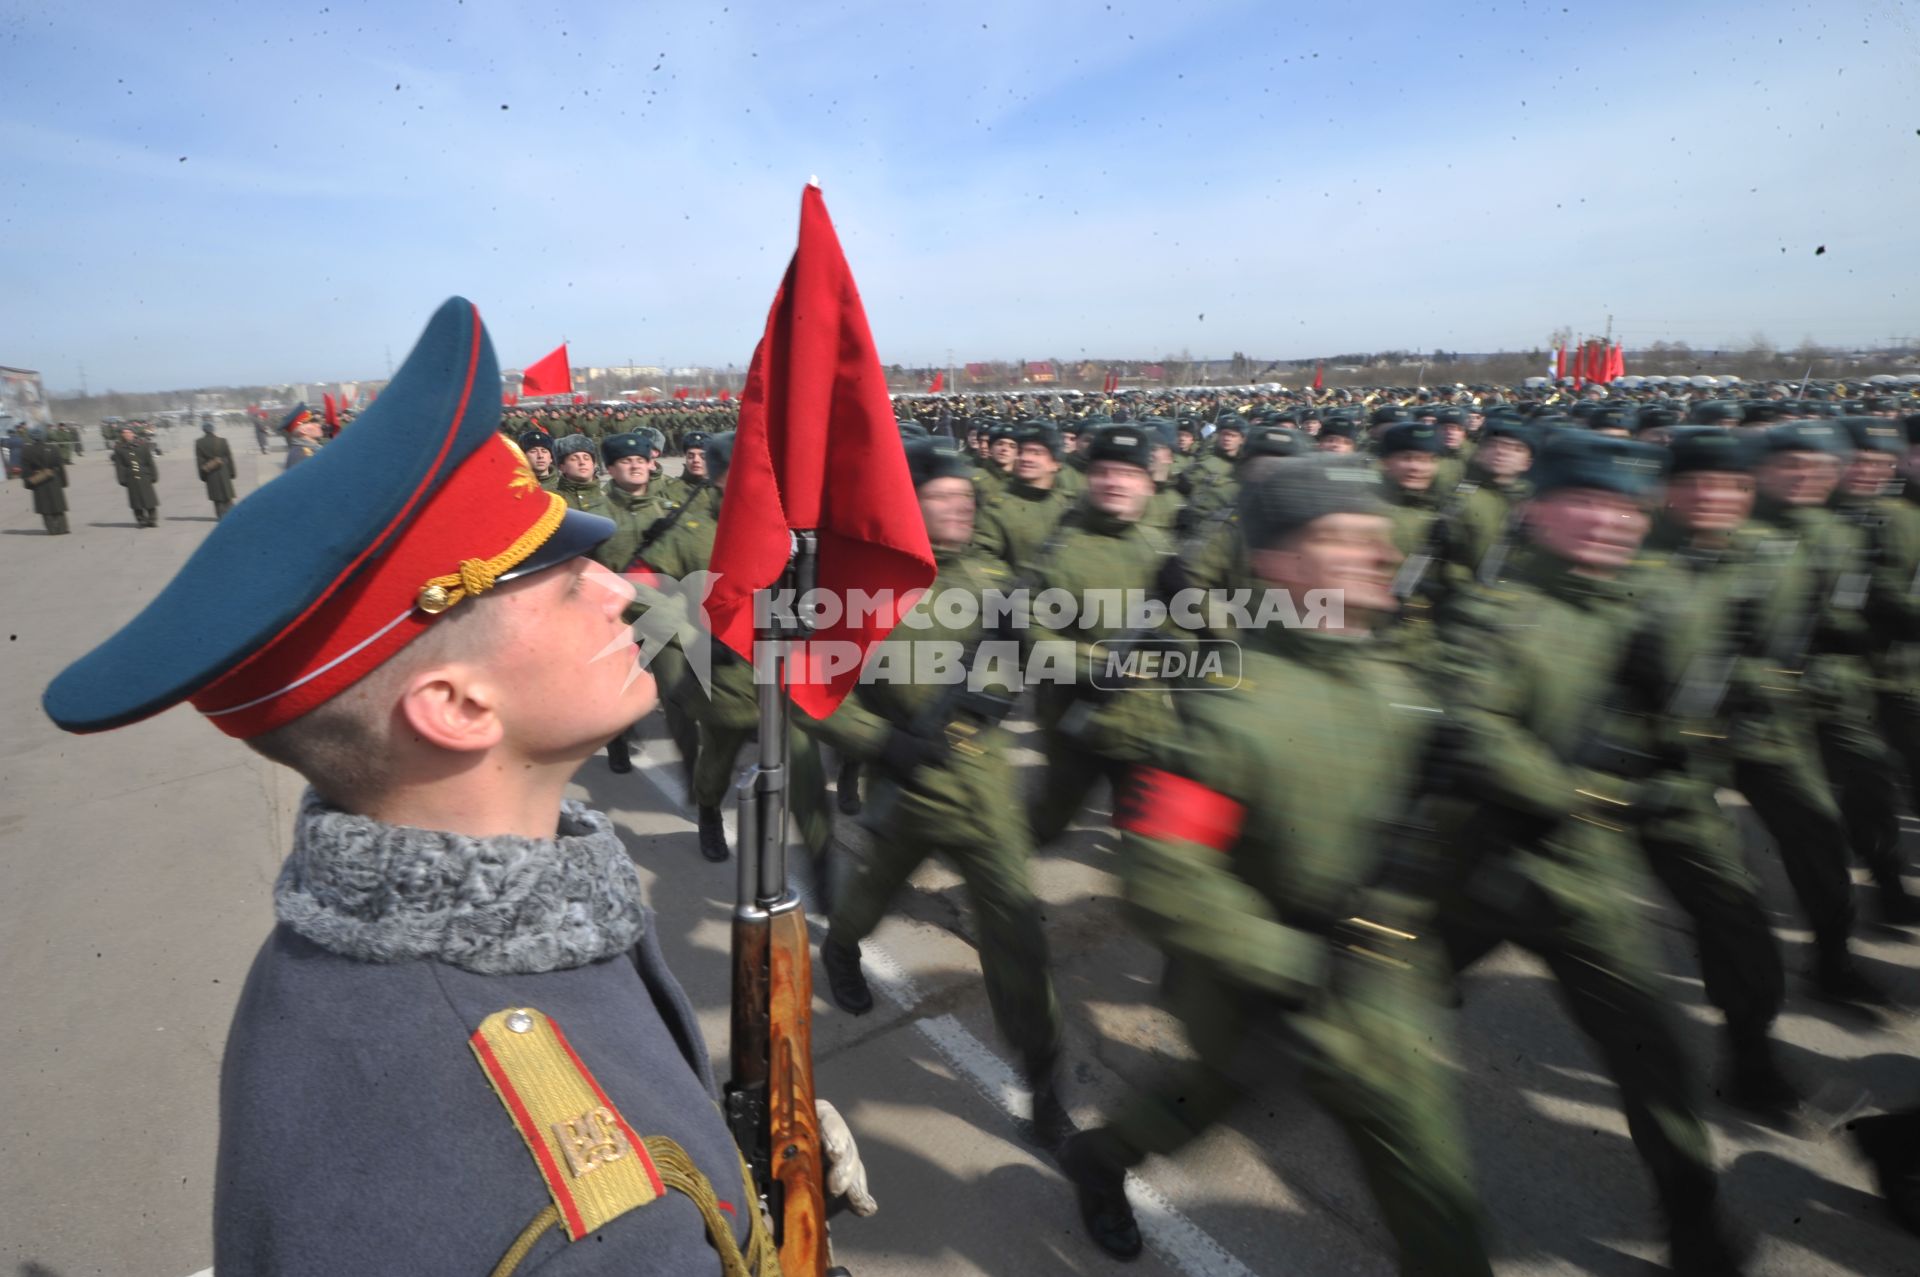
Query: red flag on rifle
x=548, y=376
x=817, y=448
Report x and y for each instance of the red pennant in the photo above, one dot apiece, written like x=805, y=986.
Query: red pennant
x=817, y=448
x=939, y=382
x=331, y=413
x=1319, y=376
x=548, y=376
x=726, y=396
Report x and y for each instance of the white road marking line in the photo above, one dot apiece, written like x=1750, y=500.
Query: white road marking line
x=1178, y=1239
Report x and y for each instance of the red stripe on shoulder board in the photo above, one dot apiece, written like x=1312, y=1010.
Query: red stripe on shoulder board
x=549, y=1169
x=1162, y=805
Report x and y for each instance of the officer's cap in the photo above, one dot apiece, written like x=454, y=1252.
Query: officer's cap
x=1875, y=434
x=295, y=415
x=1287, y=494
x=1410, y=436
x=1582, y=459
x=1806, y=436
x=422, y=503
x=1125, y=443
x=1695, y=448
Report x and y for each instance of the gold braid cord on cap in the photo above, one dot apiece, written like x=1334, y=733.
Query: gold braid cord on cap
x=477, y=576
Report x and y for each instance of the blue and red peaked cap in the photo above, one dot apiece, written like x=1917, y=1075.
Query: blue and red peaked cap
x=422, y=504
x=299, y=413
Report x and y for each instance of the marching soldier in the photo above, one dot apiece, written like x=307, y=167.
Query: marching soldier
x=537, y=444
x=1812, y=741
x=1704, y=608
x=636, y=506
x=44, y=472
x=1100, y=546
x=1031, y=503
x=1270, y=889
x=133, y=467
x=1533, y=670
x=214, y=458
x=941, y=771
x=579, y=465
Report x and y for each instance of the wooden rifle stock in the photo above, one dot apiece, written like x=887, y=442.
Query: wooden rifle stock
x=769, y=1101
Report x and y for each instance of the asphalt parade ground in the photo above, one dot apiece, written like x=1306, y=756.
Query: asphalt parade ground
x=136, y=870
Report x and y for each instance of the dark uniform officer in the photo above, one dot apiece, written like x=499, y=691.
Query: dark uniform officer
x=1269, y=887
x=941, y=775
x=1531, y=670
x=133, y=467
x=44, y=472
x=303, y=434
x=214, y=459
x=460, y=1050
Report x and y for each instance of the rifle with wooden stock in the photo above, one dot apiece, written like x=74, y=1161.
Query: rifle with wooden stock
x=769, y=1099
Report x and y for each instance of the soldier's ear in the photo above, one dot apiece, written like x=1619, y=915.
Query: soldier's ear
x=452, y=707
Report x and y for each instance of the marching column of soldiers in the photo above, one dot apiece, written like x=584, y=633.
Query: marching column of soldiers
x=1539, y=639
x=1573, y=627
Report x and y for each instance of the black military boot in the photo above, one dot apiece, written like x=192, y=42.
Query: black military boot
x=1891, y=1141
x=1754, y=1080
x=845, y=980
x=713, y=835
x=619, y=757
x=1838, y=978
x=1051, y=1124
x=847, y=788
x=1101, y=1185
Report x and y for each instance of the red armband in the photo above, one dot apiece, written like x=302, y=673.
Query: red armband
x=1159, y=804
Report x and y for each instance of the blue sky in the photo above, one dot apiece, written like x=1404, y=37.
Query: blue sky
x=1009, y=179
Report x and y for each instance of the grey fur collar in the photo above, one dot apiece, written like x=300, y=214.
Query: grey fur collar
x=496, y=906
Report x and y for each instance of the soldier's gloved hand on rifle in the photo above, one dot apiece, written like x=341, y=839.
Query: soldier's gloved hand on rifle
x=846, y=1174
x=905, y=752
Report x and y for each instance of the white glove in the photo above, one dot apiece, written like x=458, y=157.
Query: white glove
x=846, y=1175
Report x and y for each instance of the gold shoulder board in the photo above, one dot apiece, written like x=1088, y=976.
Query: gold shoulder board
x=594, y=1166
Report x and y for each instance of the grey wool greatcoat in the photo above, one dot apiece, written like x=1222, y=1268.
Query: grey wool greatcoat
x=50, y=494
x=133, y=466
x=218, y=478
x=358, y=1132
